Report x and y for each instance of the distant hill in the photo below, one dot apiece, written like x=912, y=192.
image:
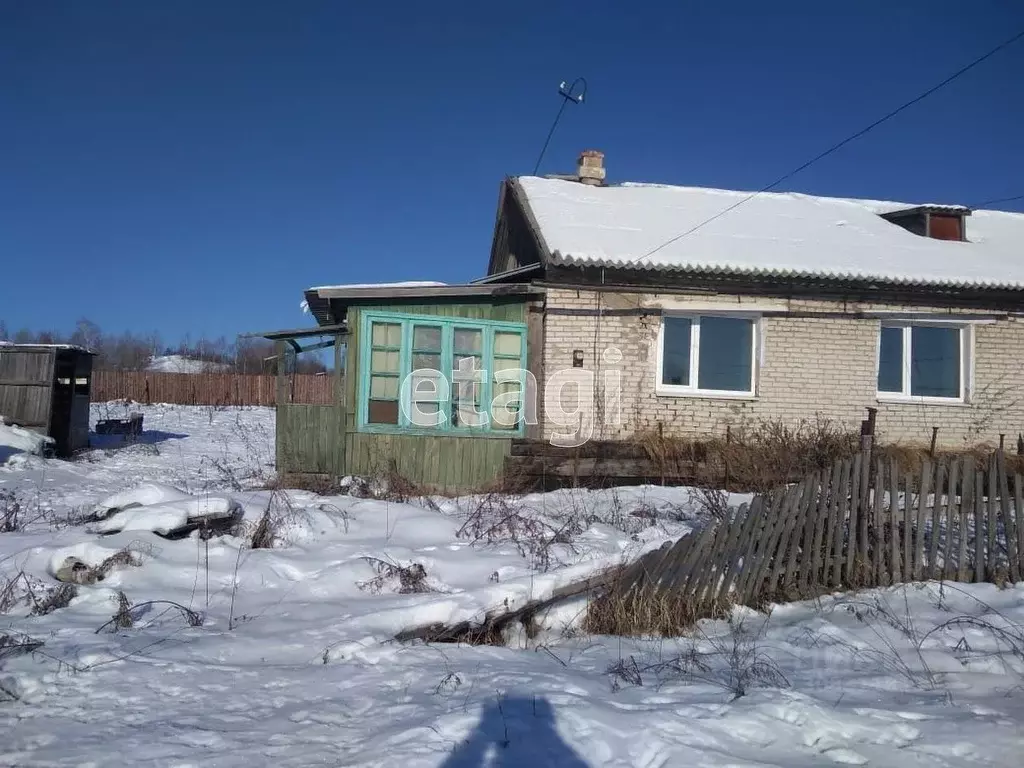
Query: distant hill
x=182, y=364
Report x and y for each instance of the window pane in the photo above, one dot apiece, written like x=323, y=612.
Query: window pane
x=468, y=391
x=424, y=360
x=505, y=418
x=426, y=337
x=675, y=367
x=384, y=387
x=724, y=358
x=382, y=361
x=387, y=335
x=507, y=344
x=468, y=340
x=934, y=361
x=426, y=387
x=425, y=414
x=890, y=360
x=383, y=412
x=505, y=387
x=506, y=364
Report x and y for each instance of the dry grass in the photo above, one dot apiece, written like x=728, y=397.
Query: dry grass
x=11, y=516
x=268, y=529
x=404, y=579
x=734, y=661
x=122, y=618
x=909, y=456
x=754, y=457
x=498, y=519
x=55, y=599
x=648, y=613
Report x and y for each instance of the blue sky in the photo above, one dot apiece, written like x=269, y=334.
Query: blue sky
x=190, y=167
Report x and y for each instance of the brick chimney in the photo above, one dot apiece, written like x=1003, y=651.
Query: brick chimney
x=590, y=168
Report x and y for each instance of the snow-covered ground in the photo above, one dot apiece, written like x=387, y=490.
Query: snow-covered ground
x=293, y=662
x=182, y=364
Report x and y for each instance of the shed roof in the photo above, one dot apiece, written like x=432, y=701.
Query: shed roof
x=769, y=234
x=37, y=347
x=319, y=301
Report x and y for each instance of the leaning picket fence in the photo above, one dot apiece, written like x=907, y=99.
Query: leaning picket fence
x=861, y=523
x=864, y=522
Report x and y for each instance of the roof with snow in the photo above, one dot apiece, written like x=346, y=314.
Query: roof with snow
x=769, y=234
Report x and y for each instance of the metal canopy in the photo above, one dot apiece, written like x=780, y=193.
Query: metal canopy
x=337, y=329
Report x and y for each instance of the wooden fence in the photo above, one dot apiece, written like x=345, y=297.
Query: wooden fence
x=208, y=388
x=862, y=523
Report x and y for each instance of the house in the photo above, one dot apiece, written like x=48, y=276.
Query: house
x=633, y=307
x=45, y=388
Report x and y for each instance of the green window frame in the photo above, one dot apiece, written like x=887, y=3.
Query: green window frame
x=394, y=345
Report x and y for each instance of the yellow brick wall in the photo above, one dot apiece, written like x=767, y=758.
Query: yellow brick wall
x=809, y=367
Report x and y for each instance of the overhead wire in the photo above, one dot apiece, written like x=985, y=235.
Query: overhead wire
x=836, y=147
x=997, y=200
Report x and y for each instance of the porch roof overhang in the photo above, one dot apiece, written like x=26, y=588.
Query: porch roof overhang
x=293, y=335
x=329, y=303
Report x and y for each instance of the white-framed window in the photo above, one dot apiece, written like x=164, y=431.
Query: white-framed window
x=711, y=355
x=924, y=361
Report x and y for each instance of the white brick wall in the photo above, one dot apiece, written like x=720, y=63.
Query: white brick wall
x=809, y=367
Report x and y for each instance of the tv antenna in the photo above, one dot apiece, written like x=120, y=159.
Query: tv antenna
x=570, y=95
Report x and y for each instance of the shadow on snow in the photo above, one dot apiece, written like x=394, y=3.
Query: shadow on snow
x=515, y=731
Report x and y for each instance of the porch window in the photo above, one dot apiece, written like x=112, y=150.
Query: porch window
x=711, y=355
x=384, y=372
x=439, y=374
x=923, y=361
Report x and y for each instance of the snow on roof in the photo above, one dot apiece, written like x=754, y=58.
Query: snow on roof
x=405, y=284
x=777, y=234
x=45, y=346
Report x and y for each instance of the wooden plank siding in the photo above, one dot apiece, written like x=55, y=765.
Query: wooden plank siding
x=26, y=382
x=440, y=463
x=310, y=439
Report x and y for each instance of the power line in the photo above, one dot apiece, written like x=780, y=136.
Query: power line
x=840, y=145
x=569, y=96
x=998, y=200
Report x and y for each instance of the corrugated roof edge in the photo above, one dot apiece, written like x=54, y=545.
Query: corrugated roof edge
x=696, y=269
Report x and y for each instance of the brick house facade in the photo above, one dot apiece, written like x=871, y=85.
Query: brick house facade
x=837, y=296
x=808, y=367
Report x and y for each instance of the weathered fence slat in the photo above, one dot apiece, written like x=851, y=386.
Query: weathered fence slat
x=855, y=511
x=978, y=507
x=766, y=553
x=814, y=574
x=680, y=576
x=841, y=510
x=938, y=513
x=990, y=524
x=755, y=515
x=907, y=531
x=706, y=575
x=781, y=557
x=798, y=549
x=1009, y=524
x=922, y=512
x=727, y=553
x=881, y=566
x=957, y=509
x=1018, y=511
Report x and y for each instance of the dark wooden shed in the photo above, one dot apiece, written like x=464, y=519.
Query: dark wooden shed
x=45, y=388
